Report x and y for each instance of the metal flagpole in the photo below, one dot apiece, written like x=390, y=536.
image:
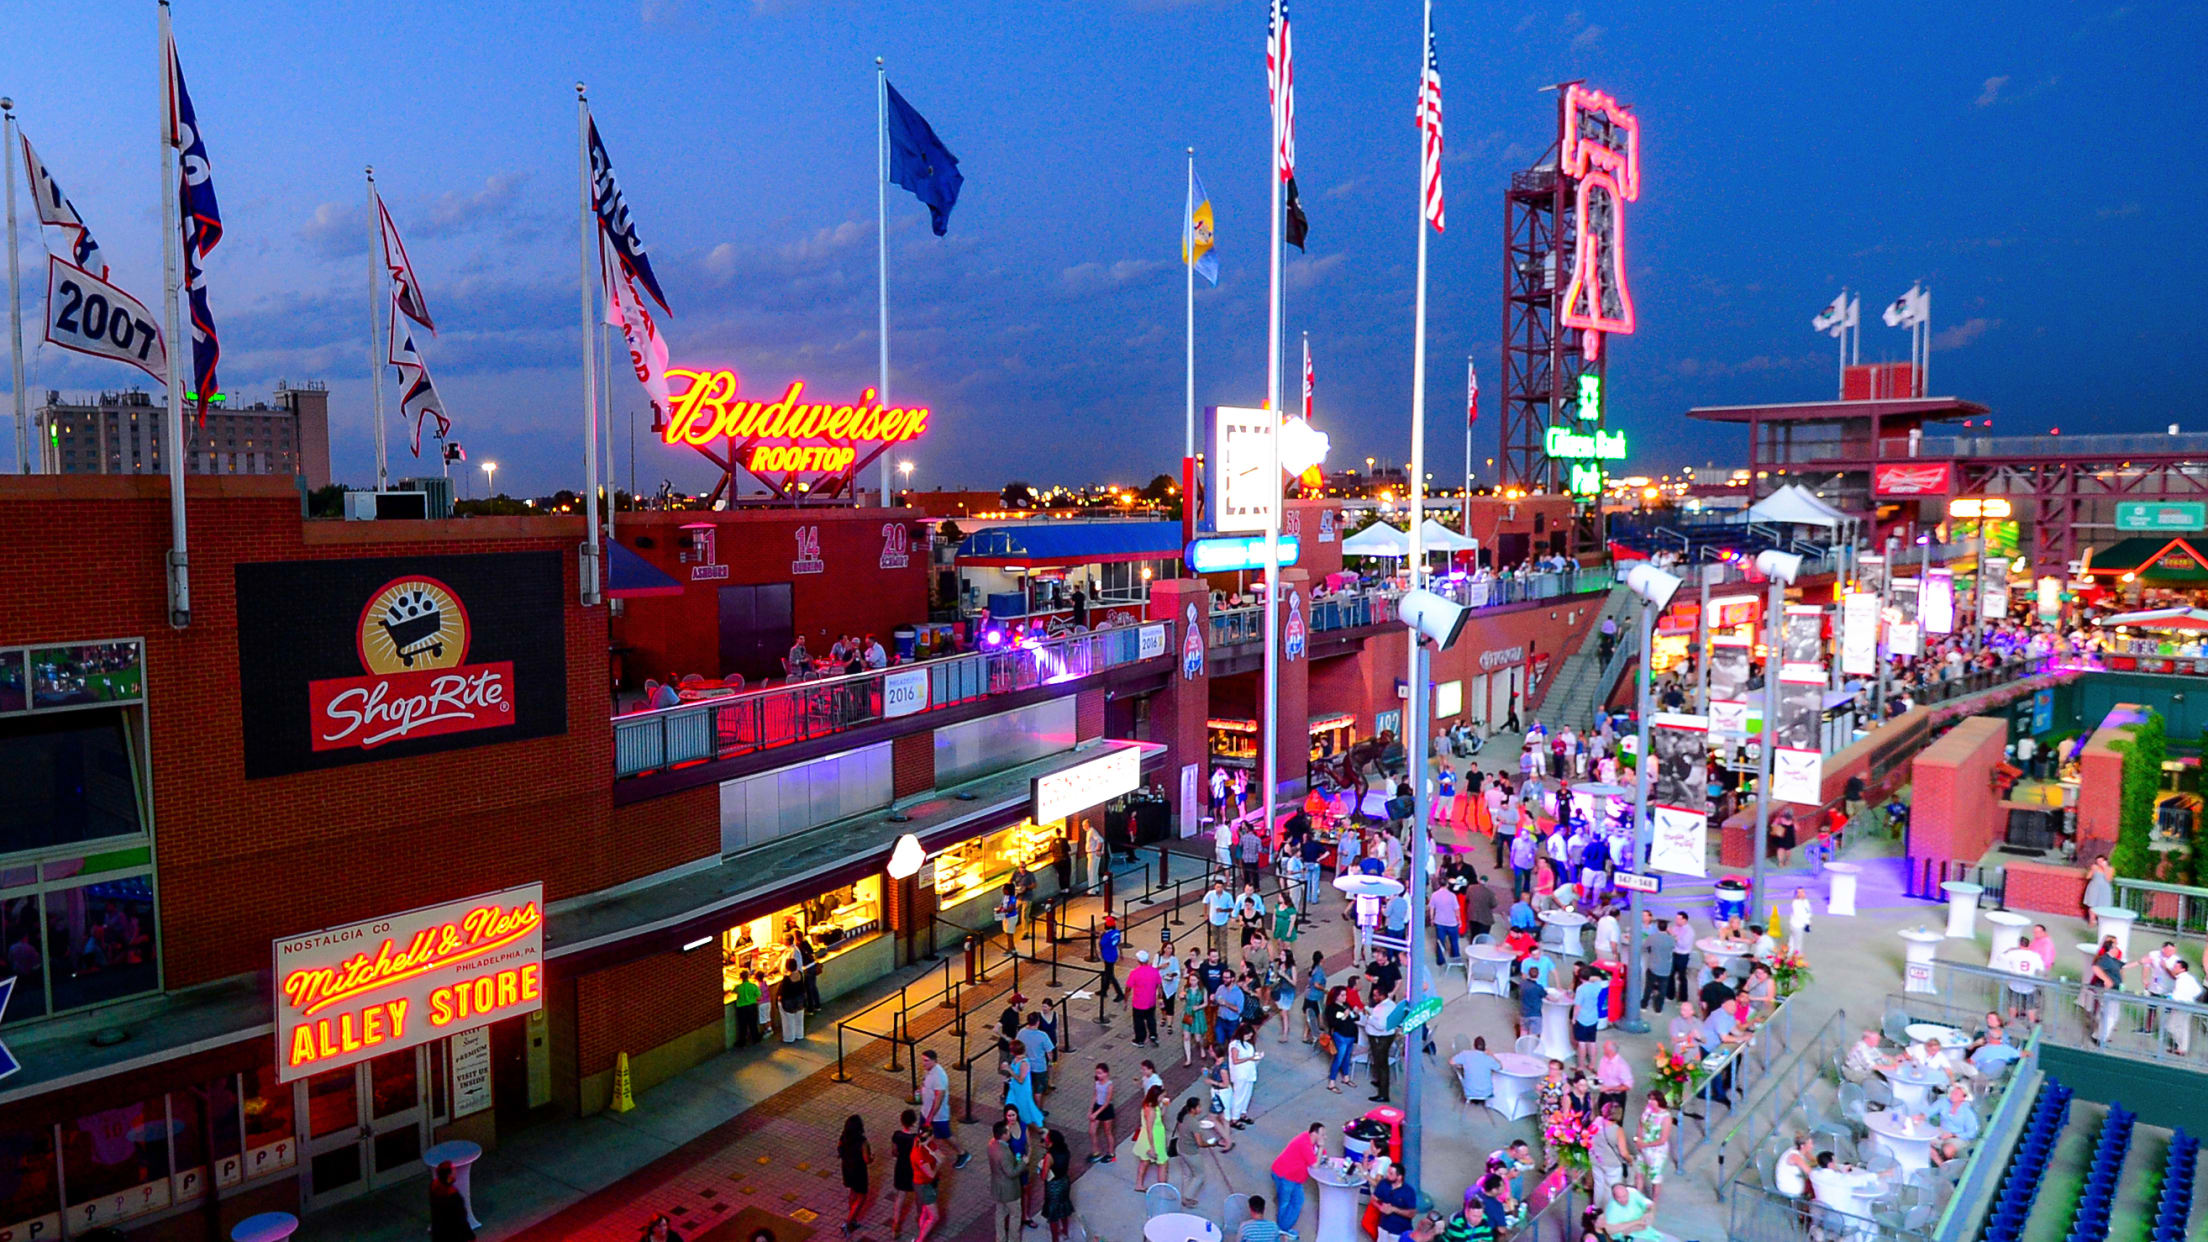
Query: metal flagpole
x=15, y=300
x=1636, y=973
x=1765, y=760
x=1270, y=769
x=1417, y=751
x=1843, y=341
x=881, y=247
x=180, y=564
x=1188, y=260
x=375, y=315
x=605, y=406
x=1702, y=644
x=1924, y=368
x=587, y=556
x=1471, y=390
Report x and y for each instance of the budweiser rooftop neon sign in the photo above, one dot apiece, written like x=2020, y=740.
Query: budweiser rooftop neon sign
x=789, y=434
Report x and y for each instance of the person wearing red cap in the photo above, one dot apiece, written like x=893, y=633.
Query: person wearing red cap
x=1107, y=948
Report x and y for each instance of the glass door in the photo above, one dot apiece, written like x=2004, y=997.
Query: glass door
x=363, y=1126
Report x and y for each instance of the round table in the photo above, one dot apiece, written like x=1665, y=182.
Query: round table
x=1499, y=984
x=1840, y=880
x=1358, y=884
x=266, y=1227
x=463, y=1155
x=1517, y=1075
x=1338, y=1207
x=2008, y=932
x=2116, y=921
x=1910, y=1143
x=1556, y=1026
x=1913, y=1085
x=1187, y=1227
x=1916, y=970
x=1567, y=924
x=1962, y=908
x=1926, y=1032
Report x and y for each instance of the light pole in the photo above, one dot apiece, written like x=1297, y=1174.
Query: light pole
x=1780, y=568
x=490, y=469
x=905, y=468
x=1655, y=589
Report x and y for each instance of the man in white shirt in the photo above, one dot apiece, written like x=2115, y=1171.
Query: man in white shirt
x=1380, y=1040
x=1606, y=935
x=2158, y=968
x=875, y=656
x=2185, y=986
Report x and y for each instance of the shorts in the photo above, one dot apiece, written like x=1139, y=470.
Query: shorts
x=1041, y=1080
x=1531, y=1021
x=1108, y=1113
x=941, y=1129
x=1583, y=1033
x=927, y=1193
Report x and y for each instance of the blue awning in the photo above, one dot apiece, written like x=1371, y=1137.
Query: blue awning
x=1073, y=543
x=629, y=576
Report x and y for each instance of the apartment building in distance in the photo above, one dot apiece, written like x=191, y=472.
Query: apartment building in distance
x=287, y=435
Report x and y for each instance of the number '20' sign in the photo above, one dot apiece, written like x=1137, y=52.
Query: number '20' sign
x=91, y=316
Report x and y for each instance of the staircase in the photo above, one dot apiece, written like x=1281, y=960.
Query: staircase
x=1583, y=681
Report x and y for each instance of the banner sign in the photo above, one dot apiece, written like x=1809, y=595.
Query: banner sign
x=352, y=661
x=1729, y=686
x=904, y=691
x=1797, y=762
x=2161, y=515
x=90, y=316
x=1085, y=785
x=1802, y=637
x=1679, y=793
x=345, y=994
x=1901, y=619
x=1993, y=588
x=1733, y=611
x=2050, y=600
x=1870, y=574
x=1936, y=608
x=1859, y=634
x=1936, y=478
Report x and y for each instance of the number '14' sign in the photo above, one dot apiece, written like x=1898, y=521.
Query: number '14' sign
x=91, y=316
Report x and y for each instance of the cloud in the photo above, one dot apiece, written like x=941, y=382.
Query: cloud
x=1992, y=92
x=1587, y=38
x=2112, y=213
x=1095, y=277
x=1757, y=365
x=661, y=12
x=336, y=230
x=1964, y=333
x=1305, y=273
x=1344, y=190
x=1997, y=91
x=457, y=212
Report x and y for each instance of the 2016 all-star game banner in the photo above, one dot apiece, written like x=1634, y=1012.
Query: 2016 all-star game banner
x=1678, y=794
x=1729, y=686
x=1859, y=634
x=1870, y=574
x=1993, y=588
x=1902, y=637
x=1797, y=762
x=1937, y=607
x=1802, y=637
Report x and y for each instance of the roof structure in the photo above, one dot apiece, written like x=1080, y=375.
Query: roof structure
x=2151, y=558
x=1927, y=409
x=1072, y=543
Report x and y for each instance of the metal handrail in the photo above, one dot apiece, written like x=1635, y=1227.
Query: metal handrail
x=1963, y=994
x=654, y=741
x=1762, y=1113
x=2173, y=907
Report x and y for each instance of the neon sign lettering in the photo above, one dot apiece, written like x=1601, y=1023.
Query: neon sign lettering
x=1590, y=397
x=481, y=930
x=1563, y=442
x=1601, y=151
x=787, y=435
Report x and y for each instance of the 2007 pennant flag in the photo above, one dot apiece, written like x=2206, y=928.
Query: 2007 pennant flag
x=91, y=316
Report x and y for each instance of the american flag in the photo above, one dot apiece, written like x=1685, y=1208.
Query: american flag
x=1471, y=393
x=1280, y=85
x=1429, y=127
x=1309, y=379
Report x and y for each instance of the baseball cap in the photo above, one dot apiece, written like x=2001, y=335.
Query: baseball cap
x=1142, y=955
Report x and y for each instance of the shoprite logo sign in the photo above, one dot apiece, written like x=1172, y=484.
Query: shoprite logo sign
x=349, y=661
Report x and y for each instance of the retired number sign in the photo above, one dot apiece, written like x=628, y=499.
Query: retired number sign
x=91, y=316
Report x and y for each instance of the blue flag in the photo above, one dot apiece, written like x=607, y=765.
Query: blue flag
x=202, y=225
x=920, y=162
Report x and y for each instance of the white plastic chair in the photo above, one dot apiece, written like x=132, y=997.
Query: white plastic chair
x=1528, y=1044
x=1160, y=1199
x=1237, y=1211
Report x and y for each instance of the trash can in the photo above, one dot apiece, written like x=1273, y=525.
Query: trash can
x=1616, y=994
x=1732, y=898
x=907, y=639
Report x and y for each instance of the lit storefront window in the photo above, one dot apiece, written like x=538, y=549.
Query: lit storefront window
x=984, y=864
x=834, y=922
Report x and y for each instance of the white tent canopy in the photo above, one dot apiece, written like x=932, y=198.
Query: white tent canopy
x=1796, y=505
x=1439, y=538
x=1378, y=539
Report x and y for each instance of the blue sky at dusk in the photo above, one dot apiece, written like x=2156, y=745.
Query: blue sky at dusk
x=2028, y=161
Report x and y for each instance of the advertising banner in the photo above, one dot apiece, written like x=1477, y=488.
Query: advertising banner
x=1797, y=762
x=1870, y=574
x=2050, y=600
x=1802, y=637
x=1729, y=686
x=1993, y=588
x=353, y=661
x=1913, y=479
x=1678, y=794
x=345, y=994
x=1902, y=637
x=1859, y=634
x=1937, y=608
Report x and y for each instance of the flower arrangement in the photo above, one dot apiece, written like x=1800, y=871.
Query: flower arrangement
x=1675, y=1074
x=1571, y=1141
x=1791, y=970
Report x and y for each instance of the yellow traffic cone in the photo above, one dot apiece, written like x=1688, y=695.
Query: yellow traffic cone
x=623, y=1101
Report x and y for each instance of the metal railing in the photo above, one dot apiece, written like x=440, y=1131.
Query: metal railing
x=757, y=720
x=2113, y=445
x=1922, y=878
x=2124, y=1024
x=1780, y=1093
x=1377, y=606
x=1742, y=1071
x=1971, y=683
x=2175, y=908
x=1987, y=1164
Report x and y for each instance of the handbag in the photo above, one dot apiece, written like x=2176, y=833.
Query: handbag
x=1326, y=1043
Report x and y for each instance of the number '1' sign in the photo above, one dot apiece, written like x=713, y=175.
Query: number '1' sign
x=91, y=316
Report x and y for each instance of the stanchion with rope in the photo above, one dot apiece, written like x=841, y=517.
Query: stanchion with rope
x=1091, y=955
x=977, y=969
x=950, y=1000
x=1054, y=962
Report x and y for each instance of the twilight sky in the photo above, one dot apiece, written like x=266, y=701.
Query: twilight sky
x=2024, y=161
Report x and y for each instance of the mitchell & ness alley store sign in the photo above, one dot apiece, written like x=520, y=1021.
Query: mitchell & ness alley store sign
x=350, y=661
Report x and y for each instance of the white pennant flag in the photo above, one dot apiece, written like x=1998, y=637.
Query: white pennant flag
x=418, y=399
x=54, y=208
x=647, y=349
x=1833, y=320
x=1909, y=310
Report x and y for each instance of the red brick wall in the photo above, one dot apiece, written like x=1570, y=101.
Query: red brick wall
x=2044, y=888
x=2101, y=777
x=852, y=594
x=1088, y=715
x=242, y=863
x=912, y=764
x=640, y=1005
x=1953, y=812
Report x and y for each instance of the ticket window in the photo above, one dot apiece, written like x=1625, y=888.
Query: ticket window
x=984, y=864
x=838, y=919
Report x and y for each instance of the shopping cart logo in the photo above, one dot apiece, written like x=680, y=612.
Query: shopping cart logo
x=412, y=638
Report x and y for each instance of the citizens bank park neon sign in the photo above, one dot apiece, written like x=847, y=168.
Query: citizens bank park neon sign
x=789, y=443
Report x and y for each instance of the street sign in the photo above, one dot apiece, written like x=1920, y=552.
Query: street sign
x=1634, y=883
x=2161, y=515
x=1415, y=1016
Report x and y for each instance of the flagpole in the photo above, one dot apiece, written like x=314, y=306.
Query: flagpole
x=1188, y=260
x=881, y=249
x=1471, y=400
x=587, y=553
x=1416, y=751
x=15, y=300
x=1924, y=369
x=1843, y=341
x=180, y=573
x=375, y=364
x=1270, y=769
